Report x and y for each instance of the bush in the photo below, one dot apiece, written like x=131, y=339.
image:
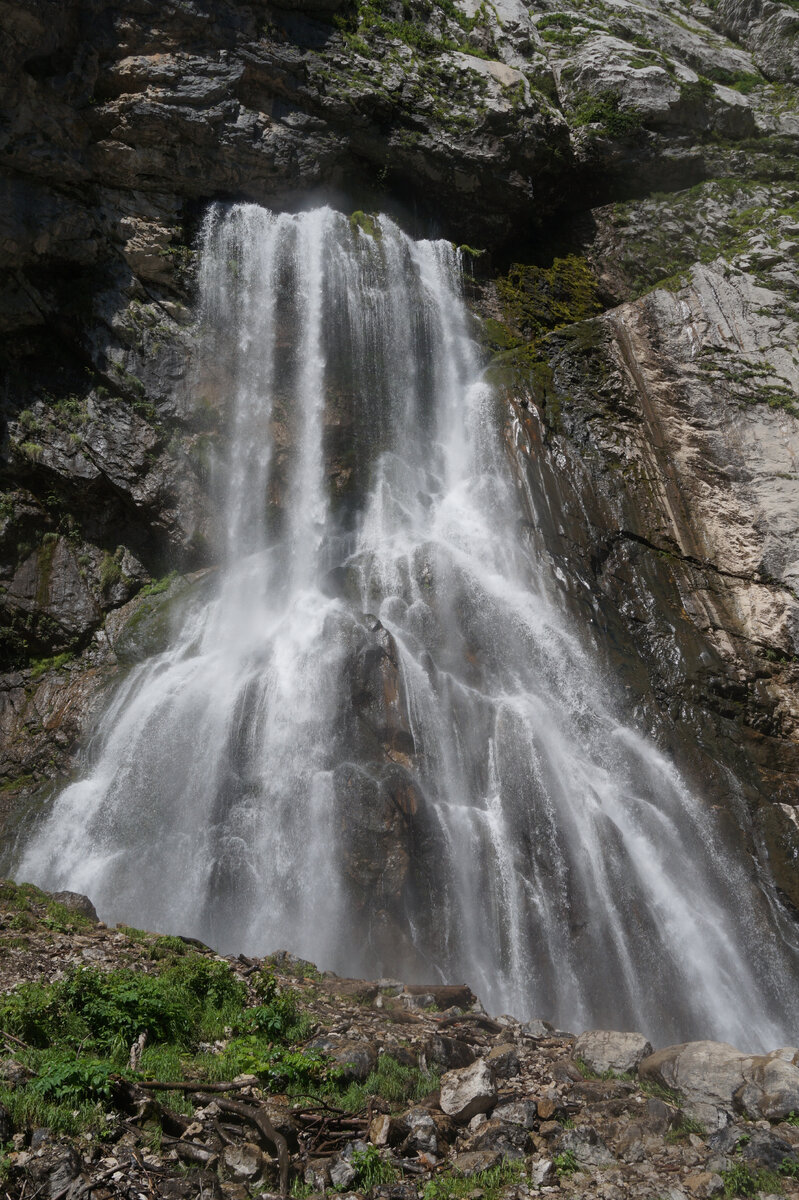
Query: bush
x=64, y=1079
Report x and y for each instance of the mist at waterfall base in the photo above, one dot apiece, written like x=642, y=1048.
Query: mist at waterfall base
x=543, y=852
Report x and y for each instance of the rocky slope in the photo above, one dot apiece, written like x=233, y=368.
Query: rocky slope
x=651, y=384
x=366, y=1088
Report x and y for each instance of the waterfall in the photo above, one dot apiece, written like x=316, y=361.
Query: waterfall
x=380, y=742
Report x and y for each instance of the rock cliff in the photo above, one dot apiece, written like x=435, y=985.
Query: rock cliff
x=629, y=171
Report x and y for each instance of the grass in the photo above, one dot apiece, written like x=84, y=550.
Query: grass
x=158, y=585
x=684, y=1128
x=566, y=1163
x=490, y=1183
x=741, y=1180
x=395, y=1082
x=55, y=663
x=588, y=1073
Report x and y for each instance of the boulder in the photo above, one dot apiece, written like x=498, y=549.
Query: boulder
x=543, y=1173
x=586, y=1145
x=76, y=903
x=356, y=1059
x=510, y=1140
x=469, y=1091
x=771, y=1090
x=448, y=1052
x=705, y=1074
x=443, y=995
x=244, y=1162
x=767, y=1149
x=421, y=1128
x=518, y=1112
x=716, y=1080
x=342, y=1175
x=385, y=1131
x=474, y=1161
x=703, y=1184
x=504, y=1061
x=603, y=1050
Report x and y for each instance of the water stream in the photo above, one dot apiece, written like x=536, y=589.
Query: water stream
x=502, y=825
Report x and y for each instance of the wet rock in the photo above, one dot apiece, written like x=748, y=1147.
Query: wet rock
x=468, y=1091
x=245, y=1162
x=603, y=1051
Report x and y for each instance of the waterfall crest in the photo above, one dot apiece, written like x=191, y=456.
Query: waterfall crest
x=379, y=742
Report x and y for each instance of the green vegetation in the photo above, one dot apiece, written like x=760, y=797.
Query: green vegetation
x=56, y=663
x=537, y=301
x=110, y=569
x=77, y=1031
x=588, y=1073
x=400, y=1085
x=361, y=222
x=490, y=1183
x=372, y=1170
x=743, y=81
x=159, y=585
x=684, y=1128
x=603, y=110
x=742, y=1180
x=566, y=1163
x=28, y=907
x=428, y=26
x=558, y=29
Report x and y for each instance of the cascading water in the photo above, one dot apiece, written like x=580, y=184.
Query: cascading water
x=512, y=830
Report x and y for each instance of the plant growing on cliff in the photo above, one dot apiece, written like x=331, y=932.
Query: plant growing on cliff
x=604, y=110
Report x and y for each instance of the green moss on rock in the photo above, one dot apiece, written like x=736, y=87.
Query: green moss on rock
x=537, y=300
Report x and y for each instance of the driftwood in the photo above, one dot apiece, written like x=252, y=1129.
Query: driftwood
x=189, y=1085
x=258, y=1118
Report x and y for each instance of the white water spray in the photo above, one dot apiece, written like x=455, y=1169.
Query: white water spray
x=234, y=791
